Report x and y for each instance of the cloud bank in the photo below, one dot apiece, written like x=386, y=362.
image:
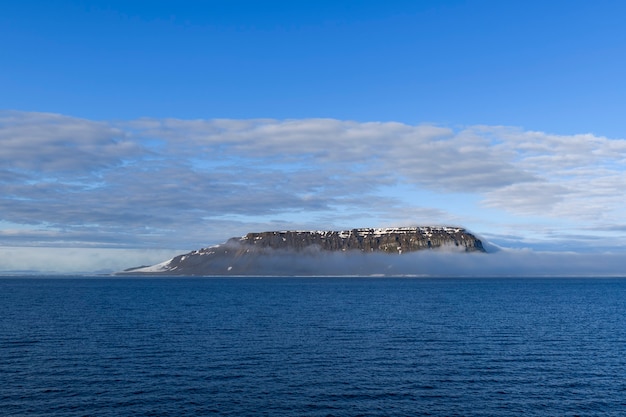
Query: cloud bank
x=171, y=183
x=441, y=263
x=46, y=260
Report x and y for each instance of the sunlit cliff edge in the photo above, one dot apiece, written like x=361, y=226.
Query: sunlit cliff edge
x=350, y=252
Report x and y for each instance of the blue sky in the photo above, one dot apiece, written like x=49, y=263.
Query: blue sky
x=135, y=130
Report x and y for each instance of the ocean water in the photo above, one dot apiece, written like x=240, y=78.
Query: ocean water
x=312, y=347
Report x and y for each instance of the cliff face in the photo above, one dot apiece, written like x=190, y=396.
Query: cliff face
x=391, y=240
x=299, y=252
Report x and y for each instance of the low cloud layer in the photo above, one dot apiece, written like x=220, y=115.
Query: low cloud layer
x=169, y=183
x=435, y=263
x=46, y=260
x=441, y=263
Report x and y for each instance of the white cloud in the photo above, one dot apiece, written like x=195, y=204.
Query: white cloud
x=60, y=145
x=423, y=154
x=579, y=176
x=186, y=183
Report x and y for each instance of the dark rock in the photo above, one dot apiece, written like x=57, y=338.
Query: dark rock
x=391, y=240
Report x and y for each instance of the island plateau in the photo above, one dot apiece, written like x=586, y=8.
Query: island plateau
x=365, y=251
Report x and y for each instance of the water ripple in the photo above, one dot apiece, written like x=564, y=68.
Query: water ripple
x=315, y=347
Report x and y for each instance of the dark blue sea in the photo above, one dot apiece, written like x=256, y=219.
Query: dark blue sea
x=94, y=346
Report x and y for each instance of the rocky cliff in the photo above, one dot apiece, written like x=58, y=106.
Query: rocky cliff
x=312, y=252
x=391, y=240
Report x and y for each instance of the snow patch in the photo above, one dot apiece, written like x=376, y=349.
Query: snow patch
x=162, y=267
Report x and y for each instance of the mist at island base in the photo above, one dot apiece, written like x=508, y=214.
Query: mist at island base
x=312, y=346
x=440, y=262
x=446, y=262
